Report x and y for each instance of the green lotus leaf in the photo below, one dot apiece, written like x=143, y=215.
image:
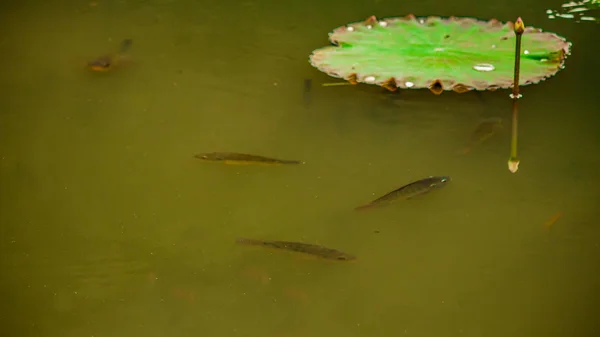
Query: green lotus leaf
x=459, y=54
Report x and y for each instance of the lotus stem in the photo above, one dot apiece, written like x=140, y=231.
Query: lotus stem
x=513, y=161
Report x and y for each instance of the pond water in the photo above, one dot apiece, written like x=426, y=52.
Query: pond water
x=109, y=227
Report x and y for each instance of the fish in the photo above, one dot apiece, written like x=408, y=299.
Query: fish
x=307, y=92
x=548, y=224
x=315, y=250
x=231, y=158
x=486, y=129
x=108, y=62
x=409, y=191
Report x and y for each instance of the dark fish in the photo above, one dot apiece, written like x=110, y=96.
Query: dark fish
x=307, y=92
x=108, y=62
x=408, y=191
x=320, y=251
x=486, y=129
x=243, y=159
x=126, y=45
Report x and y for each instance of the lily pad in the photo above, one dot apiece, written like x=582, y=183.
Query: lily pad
x=586, y=10
x=459, y=54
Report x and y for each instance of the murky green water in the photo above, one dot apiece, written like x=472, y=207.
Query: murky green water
x=110, y=228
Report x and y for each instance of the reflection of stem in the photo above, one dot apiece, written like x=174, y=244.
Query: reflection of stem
x=513, y=143
x=335, y=84
x=513, y=161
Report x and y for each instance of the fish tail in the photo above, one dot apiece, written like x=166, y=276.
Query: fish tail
x=364, y=207
x=245, y=241
x=292, y=162
x=466, y=150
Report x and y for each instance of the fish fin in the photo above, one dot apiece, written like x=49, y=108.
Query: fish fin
x=364, y=207
x=234, y=162
x=245, y=241
x=548, y=224
x=466, y=150
x=126, y=45
x=99, y=69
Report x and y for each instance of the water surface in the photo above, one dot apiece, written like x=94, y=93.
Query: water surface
x=109, y=226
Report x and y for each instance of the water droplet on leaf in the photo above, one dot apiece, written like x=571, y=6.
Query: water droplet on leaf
x=484, y=67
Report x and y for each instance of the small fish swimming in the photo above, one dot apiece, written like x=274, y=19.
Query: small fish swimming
x=307, y=92
x=548, y=224
x=411, y=190
x=231, y=158
x=486, y=129
x=319, y=251
x=108, y=62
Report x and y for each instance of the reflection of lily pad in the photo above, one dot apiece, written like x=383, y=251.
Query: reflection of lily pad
x=459, y=54
x=586, y=10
